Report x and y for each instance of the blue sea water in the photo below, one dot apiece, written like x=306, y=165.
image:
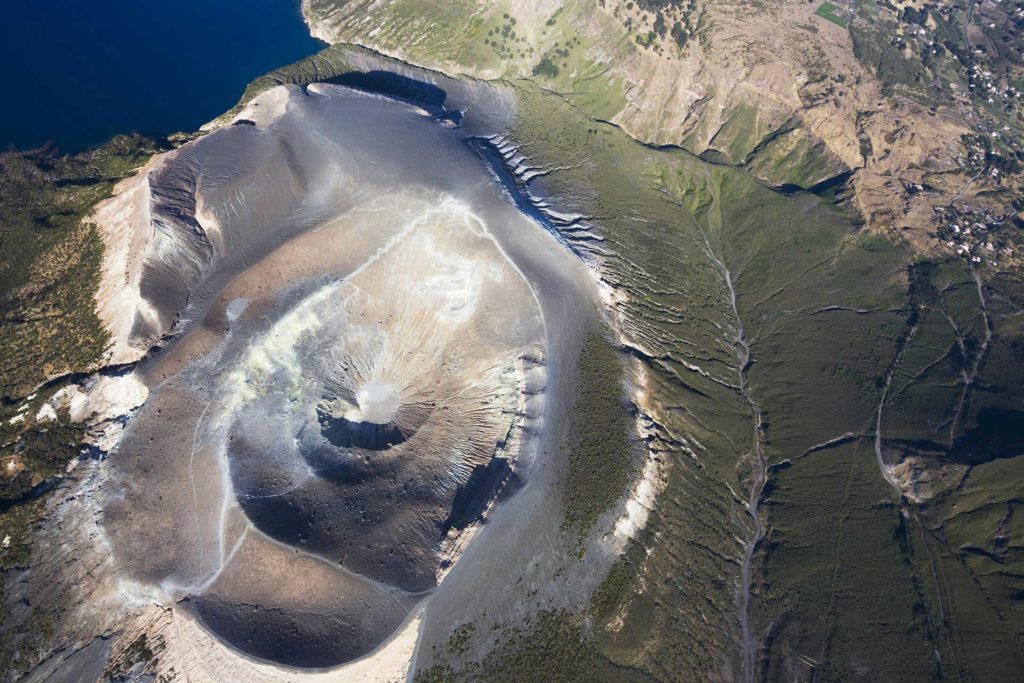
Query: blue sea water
x=81, y=71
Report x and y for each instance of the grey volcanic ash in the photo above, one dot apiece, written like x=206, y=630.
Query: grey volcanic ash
x=359, y=367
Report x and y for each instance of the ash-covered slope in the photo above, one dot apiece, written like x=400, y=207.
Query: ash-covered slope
x=359, y=369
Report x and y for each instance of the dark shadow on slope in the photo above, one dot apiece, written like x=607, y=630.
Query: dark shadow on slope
x=999, y=433
x=393, y=85
x=472, y=499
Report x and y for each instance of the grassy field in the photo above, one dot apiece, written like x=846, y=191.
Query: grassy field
x=830, y=12
x=821, y=305
x=838, y=587
x=552, y=646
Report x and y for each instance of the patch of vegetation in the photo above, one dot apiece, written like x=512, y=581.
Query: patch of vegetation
x=645, y=39
x=658, y=19
x=552, y=647
x=597, y=438
x=617, y=586
x=656, y=5
x=830, y=12
x=458, y=643
x=546, y=68
x=740, y=133
x=139, y=652
x=877, y=45
x=30, y=634
x=874, y=242
x=790, y=157
x=35, y=455
x=16, y=552
x=680, y=34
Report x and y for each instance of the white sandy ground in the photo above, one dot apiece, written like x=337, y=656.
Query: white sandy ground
x=190, y=653
x=265, y=109
x=100, y=401
x=125, y=226
x=641, y=497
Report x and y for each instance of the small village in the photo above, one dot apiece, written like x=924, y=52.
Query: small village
x=988, y=83
x=976, y=235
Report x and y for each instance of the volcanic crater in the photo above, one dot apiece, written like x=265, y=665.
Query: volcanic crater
x=355, y=364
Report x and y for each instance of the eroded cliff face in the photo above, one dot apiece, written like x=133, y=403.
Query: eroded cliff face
x=771, y=87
